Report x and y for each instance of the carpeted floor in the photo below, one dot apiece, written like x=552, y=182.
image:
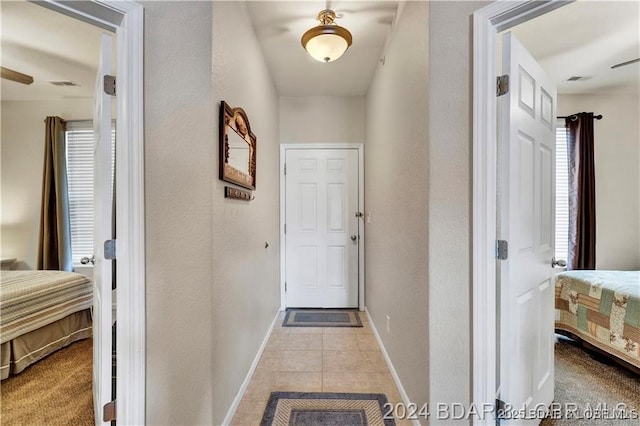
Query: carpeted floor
x=56, y=390
x=584, y=382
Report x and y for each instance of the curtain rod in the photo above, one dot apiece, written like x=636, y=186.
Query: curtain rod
x=574, y=117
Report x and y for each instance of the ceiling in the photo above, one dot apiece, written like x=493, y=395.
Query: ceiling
x=584, y=38
x=48, y=46
x=280, y=25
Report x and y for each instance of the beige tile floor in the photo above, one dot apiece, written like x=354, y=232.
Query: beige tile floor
x=307, y=359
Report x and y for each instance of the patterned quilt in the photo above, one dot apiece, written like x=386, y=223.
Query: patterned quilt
x=602, y=308
x=32, y=299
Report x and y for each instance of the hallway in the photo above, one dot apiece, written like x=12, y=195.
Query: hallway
x=314, y=359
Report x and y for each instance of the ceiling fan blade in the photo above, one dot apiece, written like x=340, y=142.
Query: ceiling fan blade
x=622, y=64
x=16, y=76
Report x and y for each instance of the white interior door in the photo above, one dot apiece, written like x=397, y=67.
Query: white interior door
x=322, y=234
x=103, y=232
x=526, y=222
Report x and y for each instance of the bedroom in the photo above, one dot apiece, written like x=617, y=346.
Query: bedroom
x=163, y=236
x=590, y=78
x=61, y=55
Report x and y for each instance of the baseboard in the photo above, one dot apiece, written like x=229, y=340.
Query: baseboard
x=247, y=379
x=394, y=374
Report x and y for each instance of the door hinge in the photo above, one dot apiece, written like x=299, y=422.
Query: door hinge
x=285, y=286
x=285, y=169
x=109, y=411
x=500, y=408
x=110, y=249
x=110, y=85
x=502, y=250
x=285, y=228
x=502, y=85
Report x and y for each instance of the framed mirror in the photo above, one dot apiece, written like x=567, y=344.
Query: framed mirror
x=237, y=147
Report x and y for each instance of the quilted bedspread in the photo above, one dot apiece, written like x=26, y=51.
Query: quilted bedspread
x=603, y=308
x=32, y=299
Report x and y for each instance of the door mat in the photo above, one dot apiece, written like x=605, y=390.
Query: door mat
x=327, y=409
x=322, y=318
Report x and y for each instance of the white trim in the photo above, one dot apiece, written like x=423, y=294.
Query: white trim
x=283, y=270
x=487, y=21
x=236, y=401
x=125, y=17
x=394, y=374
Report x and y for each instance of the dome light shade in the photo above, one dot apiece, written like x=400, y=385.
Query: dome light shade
x=328, y=41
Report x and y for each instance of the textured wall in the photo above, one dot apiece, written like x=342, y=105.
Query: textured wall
x=396, y=165
x=617, y=152
x=322, y=119
x=212, y=287
x=180, y=168
x=246, y=281
x=450, y=142
x=22, y=159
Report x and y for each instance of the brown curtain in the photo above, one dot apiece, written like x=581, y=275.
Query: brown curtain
x=54, y=247
x=582, y=192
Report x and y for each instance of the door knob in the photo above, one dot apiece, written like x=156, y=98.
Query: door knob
x=354, y=238
x=560, y=263
x=86, y=260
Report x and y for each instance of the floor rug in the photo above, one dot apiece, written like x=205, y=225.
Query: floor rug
x=322, y=318
x=326, y=409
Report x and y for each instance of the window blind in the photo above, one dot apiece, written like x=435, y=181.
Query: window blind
x=80, y=169
x=562, y=193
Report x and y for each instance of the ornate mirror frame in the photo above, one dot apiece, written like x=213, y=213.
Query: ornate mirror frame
x=236, y=120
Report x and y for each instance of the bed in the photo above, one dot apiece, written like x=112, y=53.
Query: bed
x=41, y=312
x=602, y=309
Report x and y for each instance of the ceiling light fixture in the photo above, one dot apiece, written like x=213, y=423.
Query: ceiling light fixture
x=328, y=41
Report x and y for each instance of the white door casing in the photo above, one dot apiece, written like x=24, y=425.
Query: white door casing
x=103, y=215
x=322, y=235
x=526, y=221
x=487, y=22
x=126, y=19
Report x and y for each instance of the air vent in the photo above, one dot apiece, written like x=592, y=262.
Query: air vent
x=578, y=78
x=63, y=83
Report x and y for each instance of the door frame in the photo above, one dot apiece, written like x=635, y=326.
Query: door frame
x=283, y=150
x=125, y=19
x=487, y=22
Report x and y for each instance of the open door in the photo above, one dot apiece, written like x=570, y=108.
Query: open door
x=526, y=153
x=103, y=215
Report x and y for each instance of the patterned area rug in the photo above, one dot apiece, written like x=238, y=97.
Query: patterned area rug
x=327, y=409
x=322, y=318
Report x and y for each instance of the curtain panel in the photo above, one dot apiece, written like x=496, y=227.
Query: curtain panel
x=54, y=247
x=582, y=192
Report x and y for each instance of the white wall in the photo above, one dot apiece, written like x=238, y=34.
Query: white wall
x=212, y=287
x=617, y=159
x=396, y=196
x=22, y=160
x=449, y=216
x=322, y=119
x=246, y=275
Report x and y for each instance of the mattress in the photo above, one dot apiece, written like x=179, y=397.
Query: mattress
x=32, y=299
x=41, y=312
x=603, y=309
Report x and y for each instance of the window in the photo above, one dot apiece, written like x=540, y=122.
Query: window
x=79, y=138
x=562, y=193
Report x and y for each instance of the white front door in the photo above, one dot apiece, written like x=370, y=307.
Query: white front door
x=322, y=235
x=103, y=208
x=526, y=221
